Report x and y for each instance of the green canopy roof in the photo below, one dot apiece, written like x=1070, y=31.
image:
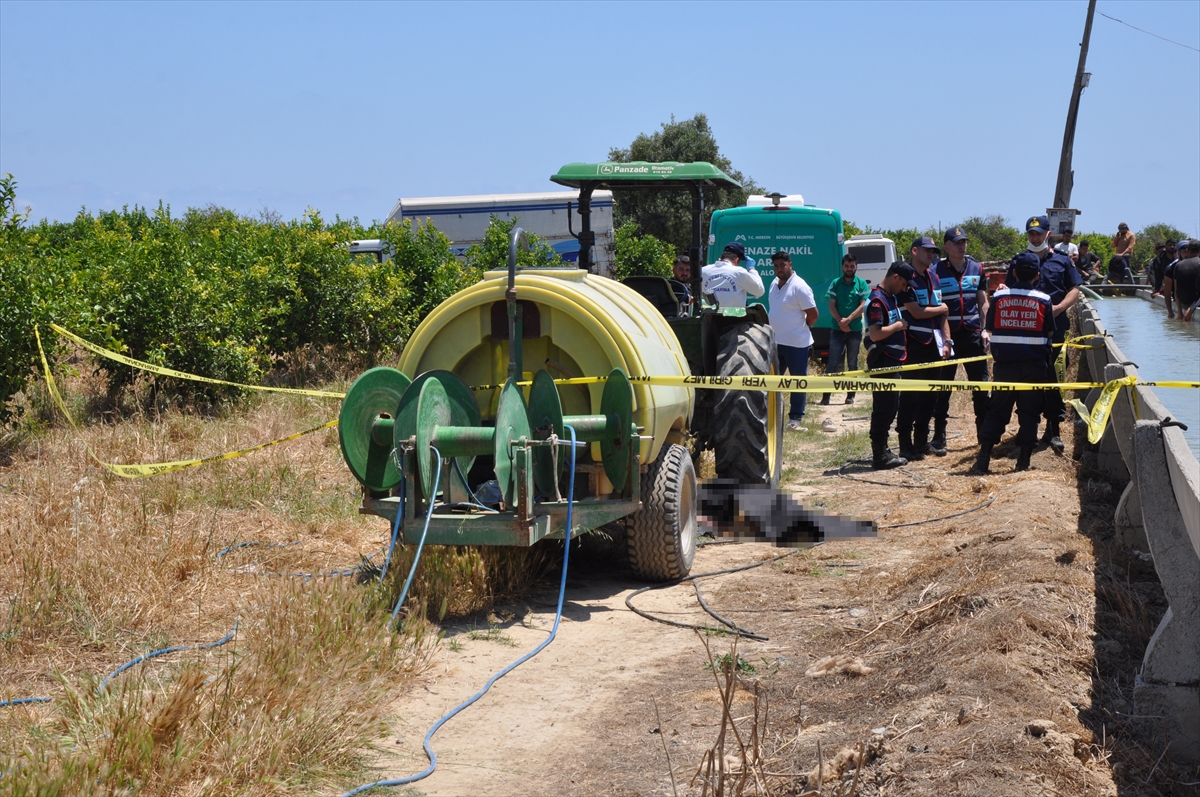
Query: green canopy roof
x=641, y=174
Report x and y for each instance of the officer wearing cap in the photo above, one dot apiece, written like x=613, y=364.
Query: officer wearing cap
x=886, y=348
x=1020, y=321
x=927, y=341
x=1058, y=279
x=965, y=292
x=732, y=278
x=1168, y=289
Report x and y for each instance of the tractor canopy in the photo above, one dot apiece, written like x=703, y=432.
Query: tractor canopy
x=642, y=174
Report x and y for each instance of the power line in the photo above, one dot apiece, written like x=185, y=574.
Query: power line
x=1148, y=33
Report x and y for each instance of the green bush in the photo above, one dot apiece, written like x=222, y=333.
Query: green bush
x=641, y=255
x=213, y=292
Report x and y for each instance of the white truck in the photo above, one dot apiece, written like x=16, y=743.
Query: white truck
x=551, y=215
x=874, y=254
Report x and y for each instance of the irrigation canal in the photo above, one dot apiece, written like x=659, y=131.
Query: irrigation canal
x=1163, y=349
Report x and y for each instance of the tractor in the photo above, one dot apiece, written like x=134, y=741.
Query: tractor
x=467, y=440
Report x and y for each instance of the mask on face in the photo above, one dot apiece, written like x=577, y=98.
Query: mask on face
x=1045, y=245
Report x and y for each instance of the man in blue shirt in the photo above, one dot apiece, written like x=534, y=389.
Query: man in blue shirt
x=1059, y=280
x=886, y=349
x=965, y=292
x=928, y=341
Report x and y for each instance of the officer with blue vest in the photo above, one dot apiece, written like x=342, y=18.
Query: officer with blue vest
x=927, y=341
x=886, y=348
x=965, y=292
x=1020, y=324
x=1058, y=279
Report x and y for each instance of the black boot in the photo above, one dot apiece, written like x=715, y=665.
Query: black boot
x=1023, y=458
x=937, y=446
x=907, y=451
x=984, y=460
x=1051, y=438
x=849, y=398
x=824, y=399
x=882, y=457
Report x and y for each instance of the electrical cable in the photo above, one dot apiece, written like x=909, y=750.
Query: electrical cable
x=726, y=622
x=562, y=589
x=919, y=483
x=349, y=571
x=942, y=517
x=693, y=626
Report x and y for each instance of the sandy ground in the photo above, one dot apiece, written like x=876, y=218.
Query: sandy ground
x=1000, y=646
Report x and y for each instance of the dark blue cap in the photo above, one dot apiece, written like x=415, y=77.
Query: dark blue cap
x=955, y=234
x=1026, y=263
x=1039, y=223
x=925, y=242
x=903, y=269
x=737, y=249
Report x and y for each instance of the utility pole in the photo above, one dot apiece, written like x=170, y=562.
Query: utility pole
x=1066, y=177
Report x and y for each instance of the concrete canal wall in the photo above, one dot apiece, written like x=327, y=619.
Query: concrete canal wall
x=1159, y=301
x=1159, y=512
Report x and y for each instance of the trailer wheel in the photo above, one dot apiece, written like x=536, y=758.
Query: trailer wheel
x=662, y=534
x=747, y=434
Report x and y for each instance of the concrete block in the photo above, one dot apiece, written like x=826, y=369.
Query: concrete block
x=1128, y=519
x=1171, y=666
x=1174, y=712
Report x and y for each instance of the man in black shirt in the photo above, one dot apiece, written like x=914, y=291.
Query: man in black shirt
x=1187, y=280
x=1086, y=264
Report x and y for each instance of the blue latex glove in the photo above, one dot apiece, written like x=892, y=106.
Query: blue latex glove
x=750, y=263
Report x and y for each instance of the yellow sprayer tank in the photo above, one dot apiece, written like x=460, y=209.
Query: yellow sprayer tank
x=574, y=324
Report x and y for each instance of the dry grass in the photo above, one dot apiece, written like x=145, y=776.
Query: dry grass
x=95, y=570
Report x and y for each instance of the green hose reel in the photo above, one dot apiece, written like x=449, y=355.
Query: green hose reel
x=384, y=412
x=365, y=427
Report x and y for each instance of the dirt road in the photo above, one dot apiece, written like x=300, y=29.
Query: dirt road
x=985, y=663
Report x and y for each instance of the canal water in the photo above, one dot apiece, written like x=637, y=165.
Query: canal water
x=1163, y=349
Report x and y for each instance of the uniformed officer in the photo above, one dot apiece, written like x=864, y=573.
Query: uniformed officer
x=965, y=292
x=927, y=341
x=1020, y=322
x=1059, y=280
x=885, y=346
x=732, y=278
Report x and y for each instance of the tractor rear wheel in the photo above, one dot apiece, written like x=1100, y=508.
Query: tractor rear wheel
x=747, y=433
x=662, y=534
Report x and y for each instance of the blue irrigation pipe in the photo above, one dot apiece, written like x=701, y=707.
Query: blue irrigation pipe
x=20, y=701
x=164, y=651
x=562, y=589
x=132, y=663
x=412, y=571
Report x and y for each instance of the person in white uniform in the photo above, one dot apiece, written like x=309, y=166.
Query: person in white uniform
x=793, y=312
x=732, y=278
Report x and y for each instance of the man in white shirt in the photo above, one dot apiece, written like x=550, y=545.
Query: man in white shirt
x=731, y=278
x=1065, y=247
x=793, y=312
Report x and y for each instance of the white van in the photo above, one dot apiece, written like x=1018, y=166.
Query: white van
x=874, y=254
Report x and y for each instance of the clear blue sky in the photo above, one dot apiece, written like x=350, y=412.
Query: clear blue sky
x=898, y=114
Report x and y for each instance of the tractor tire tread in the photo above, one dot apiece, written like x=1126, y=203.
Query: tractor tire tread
x=662, y=536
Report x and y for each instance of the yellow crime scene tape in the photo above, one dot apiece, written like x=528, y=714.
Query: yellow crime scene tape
x=158, y=369
x=858, y=381
x=143, y=470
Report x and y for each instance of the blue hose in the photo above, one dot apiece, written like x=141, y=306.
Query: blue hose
x=20, y=701
x=164, y=651
x=412, y=571
x=151, y=655
x=387, y=561
x=562, y=589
